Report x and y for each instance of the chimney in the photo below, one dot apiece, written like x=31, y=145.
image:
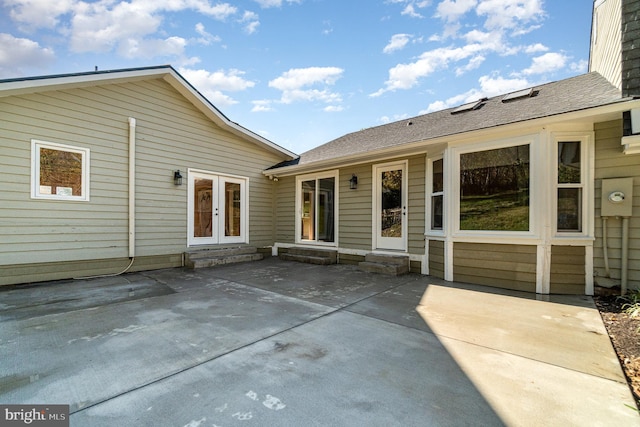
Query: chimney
x=630, y=48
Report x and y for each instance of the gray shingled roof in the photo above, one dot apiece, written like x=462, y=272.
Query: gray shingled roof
x=573, y=94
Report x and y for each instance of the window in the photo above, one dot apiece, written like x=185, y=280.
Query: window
x=59, y=172
x=494, y=189
x=317, y=207
x=569, y=210
x=437, y=195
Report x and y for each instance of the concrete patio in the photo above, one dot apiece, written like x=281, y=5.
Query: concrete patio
x=275, y=343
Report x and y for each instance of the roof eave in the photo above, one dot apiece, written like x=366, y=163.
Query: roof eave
x=423, y=146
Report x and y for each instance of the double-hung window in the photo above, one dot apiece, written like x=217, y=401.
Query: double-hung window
x=317, y=208
x=570, y=185
x=437, y=194
x=59, y=172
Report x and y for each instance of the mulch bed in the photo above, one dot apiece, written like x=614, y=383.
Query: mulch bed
x=624, y=332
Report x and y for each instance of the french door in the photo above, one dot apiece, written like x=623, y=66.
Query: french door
x=217, y=209
x=390, y=206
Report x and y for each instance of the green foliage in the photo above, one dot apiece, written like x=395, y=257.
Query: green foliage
x=632, y=306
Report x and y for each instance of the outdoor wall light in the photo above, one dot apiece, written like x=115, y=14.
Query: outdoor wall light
x=353, y=182
x=177, y=178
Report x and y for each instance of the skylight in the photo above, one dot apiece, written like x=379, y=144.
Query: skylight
x=524, y=93
x=466, y=107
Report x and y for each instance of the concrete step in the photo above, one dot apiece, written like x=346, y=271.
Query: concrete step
x=393, y=265
x=387, y=259
x=221, y=256
x=307, y=259
x=222, y=251
x=311, y=256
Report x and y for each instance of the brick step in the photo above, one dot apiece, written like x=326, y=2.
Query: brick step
x=221, y=256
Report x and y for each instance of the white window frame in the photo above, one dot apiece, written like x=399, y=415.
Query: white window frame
x=36, y=145
x=298, y=229
x=430, y=194
x=586, y=174
x=536, y=209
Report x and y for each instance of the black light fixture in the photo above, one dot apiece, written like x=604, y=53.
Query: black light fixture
x=177, y=178
x=353, y=182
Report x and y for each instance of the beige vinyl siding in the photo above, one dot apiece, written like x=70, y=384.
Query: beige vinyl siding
x=436, y=258
x=416, y=208
x=611, y=162
x=170, y=134
x=567, y=270
x=285, y=218
x=501, y=266
x=606, y=53
x=355, y=208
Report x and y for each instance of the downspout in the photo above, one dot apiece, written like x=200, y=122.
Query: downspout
x=605, y=247
x=624, y=267
x=132, y=188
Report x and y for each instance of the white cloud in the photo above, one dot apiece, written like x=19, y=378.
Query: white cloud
x=452, y=10
x=296, y=78
x=297, y=85
x=473, y=63
x=251, y=20
x=535, y=48
x=126, y=27
x=212, y=84
x=333, y=108
x=397, y=42
x=406, y=76
x=579, y=67
x=17, y=54
x=409, y=10
x=548, y=62
x=509, y=14
x=38, y=13
x=265, y=4
x=205, y=38
x=261, y=105
x=150, y=48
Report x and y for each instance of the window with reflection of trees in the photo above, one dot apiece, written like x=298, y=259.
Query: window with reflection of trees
x=494, y=189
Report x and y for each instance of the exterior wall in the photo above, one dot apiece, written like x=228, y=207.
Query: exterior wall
x=606, y=57
x=511, y=266
x=355, y=228
x=610, y=162
x=567, y=270
x=355, y=208
x=170, y=134
x=436, y=258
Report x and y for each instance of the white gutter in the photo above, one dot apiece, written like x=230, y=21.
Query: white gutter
x=132, y=187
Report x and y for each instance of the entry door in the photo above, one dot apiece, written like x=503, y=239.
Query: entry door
x=390, y=206
x=217, y=209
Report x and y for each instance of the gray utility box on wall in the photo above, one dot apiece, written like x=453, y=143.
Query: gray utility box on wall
x=617, y=197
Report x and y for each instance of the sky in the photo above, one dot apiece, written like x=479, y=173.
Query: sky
x=304, y=72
